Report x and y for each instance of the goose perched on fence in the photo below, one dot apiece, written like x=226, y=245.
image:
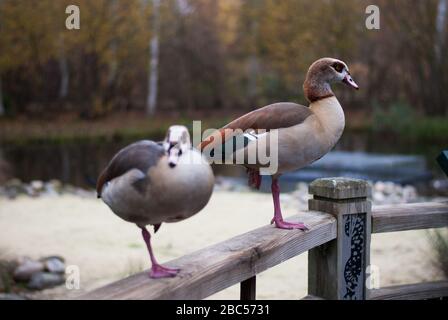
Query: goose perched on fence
x=148, y=183
x=300, y=135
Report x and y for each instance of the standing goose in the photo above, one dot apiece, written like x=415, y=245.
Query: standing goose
x=148, y=183
x=304, y=134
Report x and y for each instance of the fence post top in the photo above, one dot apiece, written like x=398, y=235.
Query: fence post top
x=340, y=188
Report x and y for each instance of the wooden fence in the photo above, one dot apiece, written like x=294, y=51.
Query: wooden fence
x=340, y=221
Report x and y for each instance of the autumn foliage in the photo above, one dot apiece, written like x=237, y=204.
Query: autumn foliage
x=216, y=54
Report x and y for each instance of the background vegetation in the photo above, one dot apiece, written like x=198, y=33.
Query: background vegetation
x=215, y=56
x=215, y=59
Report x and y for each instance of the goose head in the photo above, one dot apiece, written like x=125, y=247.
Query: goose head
x=324, y=72
x=177, y=142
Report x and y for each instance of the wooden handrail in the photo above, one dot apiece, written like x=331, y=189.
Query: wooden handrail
x=220, y=266
x=415, y=291
x=418, y=291
x=240, y=259
x=412, y=216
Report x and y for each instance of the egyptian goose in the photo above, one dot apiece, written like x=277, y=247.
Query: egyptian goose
x=304, y=134
x=148, y=183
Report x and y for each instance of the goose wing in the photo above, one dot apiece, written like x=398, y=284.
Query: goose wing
x=140, y=155
x=274, y=116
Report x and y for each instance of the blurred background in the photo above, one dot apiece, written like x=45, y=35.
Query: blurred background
x=75, y=96
x=69, y=99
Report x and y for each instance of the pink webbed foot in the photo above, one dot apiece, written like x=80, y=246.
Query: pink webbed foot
x=281, y=224
x=278, y=218
x=158, y=271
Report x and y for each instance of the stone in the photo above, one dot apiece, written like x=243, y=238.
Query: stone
x=55, y=185
x=84, y=193
x=11, y=296
x=53, y=188
x=304, y=198
x=11, y=193
x=379, y=186
x=14, y=183
x=226, y=186
x=37, y=185
x=394, y=199
x=389, y=188
x=30, y=191
x=285, y=197
x=13, y=188
x=69, y=189
x=54, y=264
x=378, y=197
x=44, y=280
x=241, y=188
x=409, y=193
x=302, y=186
x=7, y=268
x=50, y=193
x=440, y=186
x=26, y=268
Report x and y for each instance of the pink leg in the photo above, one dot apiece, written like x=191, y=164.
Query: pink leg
x=157, y=270
x=278, y=218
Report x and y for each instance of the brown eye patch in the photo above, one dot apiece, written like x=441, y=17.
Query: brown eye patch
x=338, y=67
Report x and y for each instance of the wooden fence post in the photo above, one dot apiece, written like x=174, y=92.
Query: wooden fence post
x=337, y=269
x=248, y=289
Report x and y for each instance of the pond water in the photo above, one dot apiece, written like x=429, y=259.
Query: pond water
x=80, y=163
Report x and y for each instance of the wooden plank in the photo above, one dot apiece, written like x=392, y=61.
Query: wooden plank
x=248, y=289
x=419, y=291
x=220, y=266
x=412, y=216
x=337, y=269
x=311, y=297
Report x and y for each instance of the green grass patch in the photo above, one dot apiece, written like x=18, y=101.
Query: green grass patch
x=402, y=120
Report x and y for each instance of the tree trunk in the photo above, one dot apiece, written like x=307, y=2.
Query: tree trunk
x=253, y=68
x=183, y=7
x=151, y=101
x=2, y=106
x=63, y=68
x=253, y=65
x=113, y=66
x=442, y=9
x=439, y=78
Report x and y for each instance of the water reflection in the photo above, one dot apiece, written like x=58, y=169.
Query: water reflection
x=80, y=163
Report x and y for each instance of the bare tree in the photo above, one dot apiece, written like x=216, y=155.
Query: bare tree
x=440, y=52
x=2, y=107
x=184, y=7
x=442, y=10
x=113, y=67
x=253, y=64
x=63, y=68
x=153, y=72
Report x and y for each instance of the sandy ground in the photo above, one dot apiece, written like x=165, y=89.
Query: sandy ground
x=87, y=234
